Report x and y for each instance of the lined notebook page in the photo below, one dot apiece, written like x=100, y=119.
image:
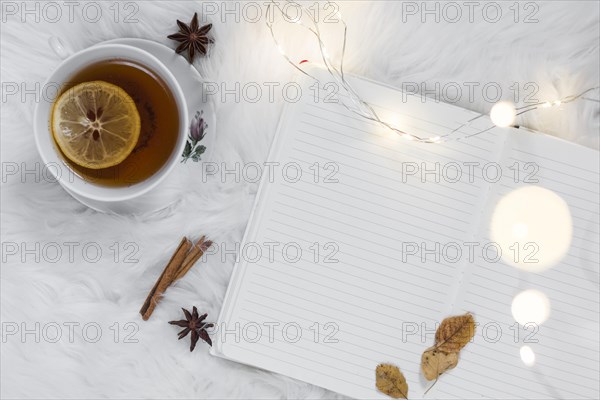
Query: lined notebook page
x=359, y=210
x=566, y=345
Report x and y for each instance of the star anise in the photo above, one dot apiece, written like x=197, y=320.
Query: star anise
x=195, y=324
x=192, y=38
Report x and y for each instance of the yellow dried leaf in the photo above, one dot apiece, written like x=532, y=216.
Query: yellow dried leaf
x=391, y=381
x=435, y=362
x=454, y=333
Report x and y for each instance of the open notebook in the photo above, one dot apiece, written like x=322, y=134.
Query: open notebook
x=331, y=323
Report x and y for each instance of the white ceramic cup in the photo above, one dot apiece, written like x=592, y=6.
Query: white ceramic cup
x=105, y=198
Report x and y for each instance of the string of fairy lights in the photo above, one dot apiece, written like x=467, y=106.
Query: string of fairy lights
x=502, y=114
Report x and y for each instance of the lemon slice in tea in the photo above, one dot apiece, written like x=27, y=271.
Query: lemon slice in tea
x=96, y=124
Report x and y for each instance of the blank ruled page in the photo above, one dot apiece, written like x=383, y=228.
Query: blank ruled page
x=566, y=345
x=335, y=275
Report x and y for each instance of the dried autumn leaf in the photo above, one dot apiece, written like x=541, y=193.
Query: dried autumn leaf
x=391, y=381
x=435, y=362
x=454, y=333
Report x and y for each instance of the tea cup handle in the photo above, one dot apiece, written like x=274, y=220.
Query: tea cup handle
x=59, y=48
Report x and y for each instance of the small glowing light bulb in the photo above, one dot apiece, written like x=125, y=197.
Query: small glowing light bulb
x=527, y=356
x=503, y=114
x=530, y=306
x=547, y=104
x=532, y=214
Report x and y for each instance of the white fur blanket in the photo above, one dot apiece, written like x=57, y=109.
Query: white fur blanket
x=549, y=47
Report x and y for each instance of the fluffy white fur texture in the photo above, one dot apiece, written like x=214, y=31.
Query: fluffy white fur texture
x=559, y=53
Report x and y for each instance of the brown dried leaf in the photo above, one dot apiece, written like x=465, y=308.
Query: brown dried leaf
x=391, y=381
x=435, y=362
x=454, y=333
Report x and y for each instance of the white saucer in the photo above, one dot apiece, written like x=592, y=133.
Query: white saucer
x=185, y=174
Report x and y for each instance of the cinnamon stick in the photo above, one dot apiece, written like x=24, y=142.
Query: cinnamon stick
x=166, y=278
x=193, y=256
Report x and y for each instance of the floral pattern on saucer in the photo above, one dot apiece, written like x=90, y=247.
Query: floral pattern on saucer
x=198, y=129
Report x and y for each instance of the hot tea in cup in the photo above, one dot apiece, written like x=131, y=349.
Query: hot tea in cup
x=116, y=128
x=115, y=122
